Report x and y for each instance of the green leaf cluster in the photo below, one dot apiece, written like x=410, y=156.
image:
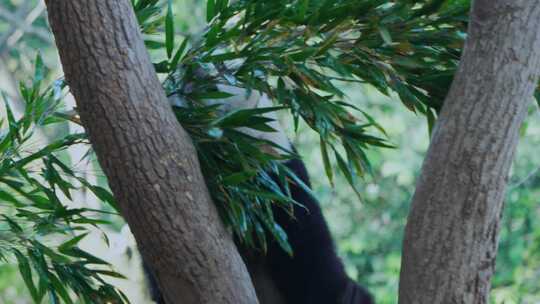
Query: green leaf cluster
x=300, y=53
x=34, y=186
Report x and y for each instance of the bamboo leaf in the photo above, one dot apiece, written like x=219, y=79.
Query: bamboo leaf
x=169, y=29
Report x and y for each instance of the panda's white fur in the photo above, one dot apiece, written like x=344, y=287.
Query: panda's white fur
x=242, y=99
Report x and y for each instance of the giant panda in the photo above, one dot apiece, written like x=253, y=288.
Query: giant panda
x=314, y=274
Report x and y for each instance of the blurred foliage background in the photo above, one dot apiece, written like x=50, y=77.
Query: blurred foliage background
x=368, y=233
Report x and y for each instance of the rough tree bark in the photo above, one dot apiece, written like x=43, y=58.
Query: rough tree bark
x=148, y=158
x=451, y=236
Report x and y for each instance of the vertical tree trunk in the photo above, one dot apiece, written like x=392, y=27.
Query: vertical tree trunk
x=148, y=158
x=451, y=236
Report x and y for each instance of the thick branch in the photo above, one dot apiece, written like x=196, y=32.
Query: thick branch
x=452, y=232
x=148, y=158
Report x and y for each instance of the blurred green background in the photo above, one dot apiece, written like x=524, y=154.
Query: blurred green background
x=368, y=232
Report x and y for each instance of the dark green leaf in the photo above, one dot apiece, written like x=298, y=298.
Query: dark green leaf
x=169, y=29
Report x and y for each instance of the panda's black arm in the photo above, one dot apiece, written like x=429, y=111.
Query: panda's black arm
x=315, y=274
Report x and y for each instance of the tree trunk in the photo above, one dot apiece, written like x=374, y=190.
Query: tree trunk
x=148, y=158
x=451, y=236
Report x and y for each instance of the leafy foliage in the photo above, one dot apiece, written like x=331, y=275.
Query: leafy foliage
x=298, y=53
x=33, y=187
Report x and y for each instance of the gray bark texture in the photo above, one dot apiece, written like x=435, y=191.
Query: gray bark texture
x=451, y=236
x=149, y=160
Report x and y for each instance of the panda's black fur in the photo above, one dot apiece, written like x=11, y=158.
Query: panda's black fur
x=314, y=274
